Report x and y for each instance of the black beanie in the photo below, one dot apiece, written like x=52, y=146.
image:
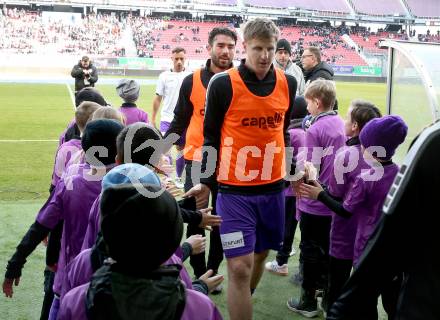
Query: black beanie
x=89, y=94
x=101, y=133
x=133, y=136
x=299, y=108
x=141, y=232
x=283, y=44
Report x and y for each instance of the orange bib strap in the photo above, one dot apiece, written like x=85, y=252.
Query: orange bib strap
x=194, y=133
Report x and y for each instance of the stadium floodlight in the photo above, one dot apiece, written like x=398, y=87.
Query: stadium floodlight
x=413, y=84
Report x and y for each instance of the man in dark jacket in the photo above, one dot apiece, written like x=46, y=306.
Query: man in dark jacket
x=313, y=67
x=85, y=74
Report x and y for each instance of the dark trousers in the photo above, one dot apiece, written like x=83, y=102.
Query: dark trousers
x=390, y=295
x=289, y=231
x=339, y=272
x=49, y=276
x=315, y=241
x=215, y=255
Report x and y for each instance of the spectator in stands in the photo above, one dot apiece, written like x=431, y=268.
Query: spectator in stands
x=282, y=60
x=85, y=74
x=313, y=67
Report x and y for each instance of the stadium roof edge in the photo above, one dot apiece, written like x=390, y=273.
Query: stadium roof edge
x=292, y=12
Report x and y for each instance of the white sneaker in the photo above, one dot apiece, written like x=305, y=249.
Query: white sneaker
x=178, y=183
x=293, y=252
x=273, y=267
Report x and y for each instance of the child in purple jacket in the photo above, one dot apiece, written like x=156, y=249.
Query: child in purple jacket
x=134, y=283
x=348, y=164
x=128, y=90
x=71, y=206
x=323, y=138
x=130, y=150
x=86, y=94
x=69, y=150
x=297, y=133
x=379, y=138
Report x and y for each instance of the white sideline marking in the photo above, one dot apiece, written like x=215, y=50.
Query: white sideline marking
x=71, y=96
x=28, y=140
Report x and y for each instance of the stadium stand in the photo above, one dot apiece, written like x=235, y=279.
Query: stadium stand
x=425, y=8
x=26, y=33
x=317, y=5
x=218, y=2
x=334, y=49
x=379, y=7
x=369, y=41
x=114, y=35
x=156, y=38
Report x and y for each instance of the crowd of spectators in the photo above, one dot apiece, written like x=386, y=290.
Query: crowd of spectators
x=26, y=32
x=429, y=37
x=146, y=32
x=100, y=34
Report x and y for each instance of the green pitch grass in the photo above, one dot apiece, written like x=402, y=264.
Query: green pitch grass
x=41, y=112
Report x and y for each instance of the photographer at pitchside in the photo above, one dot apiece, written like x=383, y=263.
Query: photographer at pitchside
x=85, y=74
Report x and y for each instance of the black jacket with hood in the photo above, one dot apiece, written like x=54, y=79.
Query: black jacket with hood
x=321, y=70
x=78, y=73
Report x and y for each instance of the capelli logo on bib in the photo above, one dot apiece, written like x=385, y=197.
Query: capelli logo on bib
x=264, y=122
x=232, y=240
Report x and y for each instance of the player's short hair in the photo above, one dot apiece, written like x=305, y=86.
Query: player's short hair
x=85, y=59
x=221, y=31
x=324, y=91
x=261, y=28
x=178, y=50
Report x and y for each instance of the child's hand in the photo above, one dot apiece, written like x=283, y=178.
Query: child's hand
x=310, y=191
x=311, y=174
x=295, y=186
x=209, y=220
x=8, y=286
x=198, y=243
x=211, y=282
x=171, y=188
x=164, y=166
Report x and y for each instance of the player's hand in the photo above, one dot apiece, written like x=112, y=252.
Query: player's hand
x=201, y=192
x=211, y=281
x=198, y=243
x=209, y=220
x=310, y=191
x=8, y=286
